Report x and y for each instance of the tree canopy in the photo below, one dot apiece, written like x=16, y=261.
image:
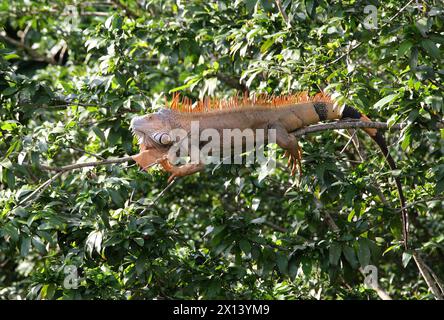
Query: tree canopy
x=72, y=76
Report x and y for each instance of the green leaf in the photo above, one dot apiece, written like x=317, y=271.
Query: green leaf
x=38, y=244
x=334, y=253
x=385, y=100
x=267, y=44
x=350, y=256
x=363, y=252
x=406, y=138
x=99, y=133
x=48, y=291
x=293, y=267
x=116, y=197
x=267, y=5
x=9, y=91
x=25, y=246
x=431, y=48
x=404, y=48
x=255, y=203
x=282, y=263
x=250, y=4
x=311, y=6
x=108, y=22
x=413, y=62
x=94, y=242
x=191, y=83
x=9, y=125
x=395, y=246
x=139, y=241
x=406, y=257
x=245, y=246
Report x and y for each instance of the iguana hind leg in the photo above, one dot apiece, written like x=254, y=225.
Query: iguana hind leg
x=289, y=143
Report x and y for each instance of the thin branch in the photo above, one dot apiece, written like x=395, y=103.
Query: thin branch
x=348, y=142
x=124, y=7
x=39, y=191
x=29, y=51
x=437, y=279
x=429, y=279
x=86, y=164
x=60, y=170
x=275, y=227
x=282, y=11
x=351, y=125
x=414, y=203
x=159, y=196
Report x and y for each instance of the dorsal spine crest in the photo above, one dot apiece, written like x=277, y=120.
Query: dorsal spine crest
x=208, y=104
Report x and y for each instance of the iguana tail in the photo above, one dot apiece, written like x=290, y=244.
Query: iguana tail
x=377, y=136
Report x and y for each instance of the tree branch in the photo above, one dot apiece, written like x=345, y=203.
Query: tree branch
x=124, y=7
x=297, y=133
x=282, y=11
x=39, y=191
x=29, y=51
x=86, y=164
x=60, y=170
x=158, y=196
x=431, y=280
x=349, y=124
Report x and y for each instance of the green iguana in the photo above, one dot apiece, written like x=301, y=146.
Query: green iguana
x=284, y=114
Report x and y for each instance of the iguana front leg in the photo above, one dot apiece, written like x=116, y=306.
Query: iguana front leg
x=289, y=143
x=180, y=171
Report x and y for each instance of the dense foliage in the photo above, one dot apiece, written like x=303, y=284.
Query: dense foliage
x=73, y=74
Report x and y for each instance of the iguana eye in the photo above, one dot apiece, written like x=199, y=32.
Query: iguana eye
x=162, y=138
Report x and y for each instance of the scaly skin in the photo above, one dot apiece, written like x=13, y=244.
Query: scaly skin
x=152, y=131
x=283, y=119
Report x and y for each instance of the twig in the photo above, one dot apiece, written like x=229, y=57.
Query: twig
x=31, y=52
x=158, y=196
x=85, y=164
x=348, y=142
x=275, y=227
x=60, y=170
x=124, y=7
x=39, y=191
x=346, y=125
x=436, y=84
x=282, y=11
x=414, y=203
x=430, y=281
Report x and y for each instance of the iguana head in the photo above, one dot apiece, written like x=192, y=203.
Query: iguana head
x=152, y=128
x=152, y=133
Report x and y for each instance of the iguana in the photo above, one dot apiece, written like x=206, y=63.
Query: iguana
x=284, y=114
